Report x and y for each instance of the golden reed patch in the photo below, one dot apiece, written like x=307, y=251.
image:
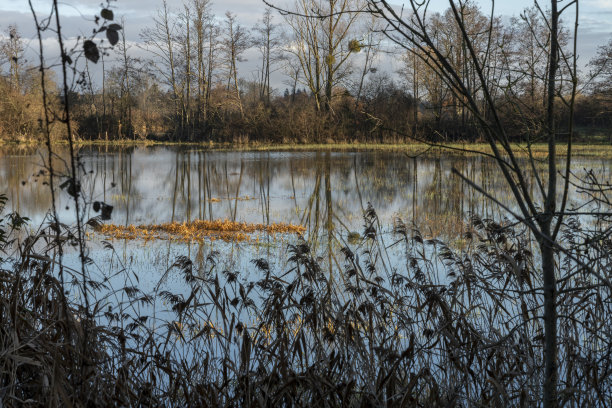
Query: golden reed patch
x=197, y=230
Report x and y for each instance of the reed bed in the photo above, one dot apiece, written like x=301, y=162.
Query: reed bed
x=445, y=327
x=197, y=230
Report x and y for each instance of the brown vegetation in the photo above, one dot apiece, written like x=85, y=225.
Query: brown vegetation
x=484, y=326
x=442, y=327
x=190, y=88
x=197, y=230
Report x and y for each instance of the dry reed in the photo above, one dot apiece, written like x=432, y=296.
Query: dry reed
x=197, y=230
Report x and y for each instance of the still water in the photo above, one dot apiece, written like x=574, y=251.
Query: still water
x=323, y=190
x=326, y=191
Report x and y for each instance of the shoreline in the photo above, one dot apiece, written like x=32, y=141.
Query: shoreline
x=579, y=149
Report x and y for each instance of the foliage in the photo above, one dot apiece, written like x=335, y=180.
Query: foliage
x=186, y=97
x=446, y=327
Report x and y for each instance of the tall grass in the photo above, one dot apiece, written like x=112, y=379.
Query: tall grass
x=442, y=328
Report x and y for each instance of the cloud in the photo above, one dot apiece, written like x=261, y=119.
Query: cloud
x=597, y=4
x=78, y=20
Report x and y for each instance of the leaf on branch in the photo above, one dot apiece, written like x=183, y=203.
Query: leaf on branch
x=107, y=14
x=106, y=209
x=71, y=187
x=115, y=27
x=91, y=51
x=112, y=35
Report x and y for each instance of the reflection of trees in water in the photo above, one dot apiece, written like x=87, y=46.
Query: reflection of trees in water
x=327, y=191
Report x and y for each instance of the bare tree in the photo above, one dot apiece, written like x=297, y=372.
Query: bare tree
x=424, y=84
x=371, y=42
x=160, y=41
x=600, y=85
x=601, y=66
x=187, y=74
x=268, y=41
x=235, y=43
x=292, y=69
x=202, y=23
x=214, y=58
x=322, y=44
x=128, y=71
x=541, y=212
x=12, y=50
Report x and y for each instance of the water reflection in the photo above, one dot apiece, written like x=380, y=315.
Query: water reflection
x=325, y=190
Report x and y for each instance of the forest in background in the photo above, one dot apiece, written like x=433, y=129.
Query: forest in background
x=190, y=88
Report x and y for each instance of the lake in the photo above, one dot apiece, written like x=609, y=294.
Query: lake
x=326, y=191
x=319, y=189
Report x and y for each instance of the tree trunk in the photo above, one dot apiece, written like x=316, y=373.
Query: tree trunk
x=550, y=324
x=546, y=241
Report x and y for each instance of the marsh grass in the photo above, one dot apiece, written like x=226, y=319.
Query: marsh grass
x=196, y=230
x=444, y=327
x=599, y=147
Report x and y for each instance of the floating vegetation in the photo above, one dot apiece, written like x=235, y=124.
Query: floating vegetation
x=245, y=198
x=197, y=230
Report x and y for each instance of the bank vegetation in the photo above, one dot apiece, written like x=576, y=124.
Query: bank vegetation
x=184, y=79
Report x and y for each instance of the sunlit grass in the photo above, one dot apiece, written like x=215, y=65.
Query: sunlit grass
x=198, y=230
x=598, y=148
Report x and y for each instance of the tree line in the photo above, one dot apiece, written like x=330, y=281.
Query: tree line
x=191, y=86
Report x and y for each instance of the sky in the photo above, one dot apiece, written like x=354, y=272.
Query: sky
x=77, y=15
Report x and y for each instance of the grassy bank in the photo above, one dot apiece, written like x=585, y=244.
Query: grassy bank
x=599, y=149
